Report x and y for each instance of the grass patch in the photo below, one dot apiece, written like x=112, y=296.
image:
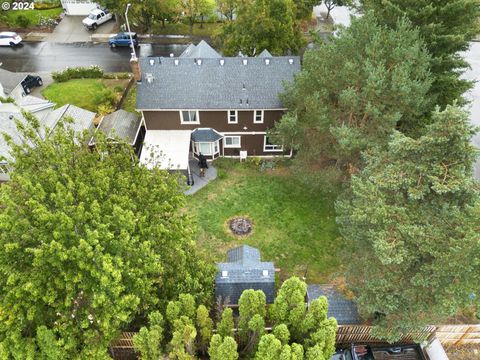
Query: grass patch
x=10, y=18
x=90, y=94
x=184, y=29
x=129, y=104
x=293, y=226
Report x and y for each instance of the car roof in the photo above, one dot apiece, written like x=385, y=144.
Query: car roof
x=9, y=33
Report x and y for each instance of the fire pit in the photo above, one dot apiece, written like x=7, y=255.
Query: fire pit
x=240, y=226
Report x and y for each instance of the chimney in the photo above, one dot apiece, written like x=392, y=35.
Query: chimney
x=137, y=74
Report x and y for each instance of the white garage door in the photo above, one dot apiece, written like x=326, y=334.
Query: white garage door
x=78, y=7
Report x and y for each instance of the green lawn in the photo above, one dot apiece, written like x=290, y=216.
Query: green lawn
x=293, y=227
x=130, y=101
x=85, y=93
x=33, y=15
x=184, y=29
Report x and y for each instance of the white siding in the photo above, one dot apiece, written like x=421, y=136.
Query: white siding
x=78, y=7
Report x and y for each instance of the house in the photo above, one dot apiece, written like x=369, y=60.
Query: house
x=244, y=270
x=11, y=84
x=124, y=125
x=339, y=307
x=202, y=102
x=48, y=118
x=78, y=7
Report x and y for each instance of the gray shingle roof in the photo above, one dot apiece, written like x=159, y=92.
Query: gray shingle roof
x=205, y=135
x=122, y=124
x=339, y=307
x=82, y=119
x=233, y=85
x=10, y=80
x=244, y=270
x=202, y=50
x=265, y=54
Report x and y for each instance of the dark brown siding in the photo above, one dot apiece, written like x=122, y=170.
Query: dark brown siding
x=170, y=120
x=254, y=146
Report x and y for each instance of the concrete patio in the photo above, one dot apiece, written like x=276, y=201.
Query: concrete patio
x=200, y=182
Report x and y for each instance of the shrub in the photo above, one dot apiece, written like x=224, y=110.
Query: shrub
x=122, y=75
x=45, y=5
x=105, y=97
x=92, y=72
x=118, y=88
x=23, y=21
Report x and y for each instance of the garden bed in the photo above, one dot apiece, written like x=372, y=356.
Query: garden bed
x=293, y=226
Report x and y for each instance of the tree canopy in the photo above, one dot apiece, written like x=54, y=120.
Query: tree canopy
x=411, y=222
x=353, y=91
x=90, y=238
x=260, y=25
x=447, y=27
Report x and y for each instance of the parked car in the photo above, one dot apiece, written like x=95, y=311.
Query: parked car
x=123, y=39
x=96, y=18
x=8, y=38
x=393, y=352
x=30, y=82
x=342, y=355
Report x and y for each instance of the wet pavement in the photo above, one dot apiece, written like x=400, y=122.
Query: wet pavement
x=71, y=29
x=47, y=56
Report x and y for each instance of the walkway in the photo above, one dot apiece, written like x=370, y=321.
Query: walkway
x=200, y=182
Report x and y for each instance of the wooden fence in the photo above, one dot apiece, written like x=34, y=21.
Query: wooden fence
x=348, y=334
x=454, y=335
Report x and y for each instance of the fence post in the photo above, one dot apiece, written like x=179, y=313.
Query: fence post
x=459, y=341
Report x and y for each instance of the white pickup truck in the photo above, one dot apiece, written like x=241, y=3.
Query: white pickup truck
x=96, y=17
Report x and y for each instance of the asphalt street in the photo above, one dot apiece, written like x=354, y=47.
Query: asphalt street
x=47, y=56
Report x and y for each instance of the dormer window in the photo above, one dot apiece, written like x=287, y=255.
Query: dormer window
x=224, y=273
x=258, y=117
x=265, y=273
x=233, y=117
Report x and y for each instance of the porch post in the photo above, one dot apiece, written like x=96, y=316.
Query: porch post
x=190, y=180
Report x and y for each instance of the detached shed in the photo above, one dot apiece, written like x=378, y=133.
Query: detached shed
x=244, y=270
x=339, y=307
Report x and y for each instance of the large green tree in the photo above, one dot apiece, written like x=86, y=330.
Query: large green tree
x=447, y=26
x=260, y=25
x=411, y=221
x=194, y=9
x=90, y=238
x=354, y=91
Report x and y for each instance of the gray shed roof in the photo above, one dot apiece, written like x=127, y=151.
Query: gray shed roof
x=240, y=83
x=202, y=50
x=205, y=135
x=339, y=307
x=10, y=80
x=122, y=124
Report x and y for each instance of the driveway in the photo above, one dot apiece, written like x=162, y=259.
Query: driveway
x=71, y=30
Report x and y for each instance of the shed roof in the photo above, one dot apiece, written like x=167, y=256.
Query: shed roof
x=227, y=83
x=10, y=80
x=122, y=124
x=205, y=135
x=339, y=307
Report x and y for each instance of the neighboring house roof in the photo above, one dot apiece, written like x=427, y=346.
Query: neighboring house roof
x=202, y=50
x=82, y=119
x=339, y=307
x=205, y=135
x=10, y=80
x=34, y=104
x=244, y=270
x=265, y=54
x=212, y=83
x=121, y=124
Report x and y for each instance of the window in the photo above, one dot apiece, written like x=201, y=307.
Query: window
x=232, y=141
x=232, y=116
x=267, y=146
x=189, y=117
x=204, y=148
x=258, y=117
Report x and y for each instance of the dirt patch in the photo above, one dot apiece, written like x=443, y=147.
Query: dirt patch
x=240, y=226
x=467, y=352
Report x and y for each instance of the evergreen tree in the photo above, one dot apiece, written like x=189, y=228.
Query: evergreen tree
x=353, y=92
x=204, y=328
x=89, y=238
x=148, y=341
x=411, y=219
x=225, y=327
x=223, y=348
x=182, y=345
x=260, y=25
x=447, y=28
x=251, y=303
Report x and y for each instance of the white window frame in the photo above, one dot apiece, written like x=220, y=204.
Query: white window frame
x=213, y=152
x=197, y=116
x=270, y=147
x=255, y=117
x=229, y=115
x=232, y=146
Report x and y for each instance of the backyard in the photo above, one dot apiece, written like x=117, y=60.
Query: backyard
x=292, y=226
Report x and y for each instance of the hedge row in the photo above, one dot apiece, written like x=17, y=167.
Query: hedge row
x=92, y=72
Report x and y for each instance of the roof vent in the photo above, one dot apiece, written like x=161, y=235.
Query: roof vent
x=149, y=78
x=152, y=62
x=243, y=87
x=224, y=273
x=222, y=61
x=290, y=61
x=241, y=102
x=247, y=101
x=171, y=54
x=199, y=62
x=265, y=273
x=176, y=61
x=245, y=61
x=267, y=61
x=11, y=116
